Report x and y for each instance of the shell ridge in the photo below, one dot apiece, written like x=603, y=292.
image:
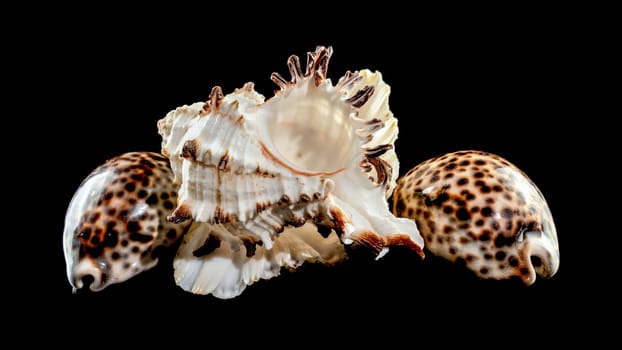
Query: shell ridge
x=313, y=154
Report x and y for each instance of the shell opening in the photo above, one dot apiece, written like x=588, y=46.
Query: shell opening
x=306, y=128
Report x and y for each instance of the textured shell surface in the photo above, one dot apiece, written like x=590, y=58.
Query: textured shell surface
x=480, y=210
x=115, y=224
x=263, y=179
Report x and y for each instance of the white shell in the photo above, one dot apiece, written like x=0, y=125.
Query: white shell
x=226, y=272
x=250, y=170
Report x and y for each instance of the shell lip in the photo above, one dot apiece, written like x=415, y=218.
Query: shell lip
x=543, y=254
x=88, y=274
x=265, y=149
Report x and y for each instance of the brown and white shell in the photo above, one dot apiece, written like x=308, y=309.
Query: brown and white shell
x=479, y=210
x=115, y=225
x=315, y=157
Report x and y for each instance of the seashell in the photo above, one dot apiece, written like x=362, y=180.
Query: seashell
x=478, y=209
x=115, y=225
x=314, y=157
x=206, y=265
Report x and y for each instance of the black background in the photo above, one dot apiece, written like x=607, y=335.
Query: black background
x=498, y=84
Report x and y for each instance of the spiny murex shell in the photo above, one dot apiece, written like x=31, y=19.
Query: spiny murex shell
x=249, y=170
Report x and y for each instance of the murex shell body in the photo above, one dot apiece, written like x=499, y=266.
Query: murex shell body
x=250, y=170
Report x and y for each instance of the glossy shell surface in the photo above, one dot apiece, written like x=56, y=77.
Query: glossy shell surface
x=481, y=211
x=115, y=225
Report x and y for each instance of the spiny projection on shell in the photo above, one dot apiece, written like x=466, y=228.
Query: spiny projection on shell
x=314, y=153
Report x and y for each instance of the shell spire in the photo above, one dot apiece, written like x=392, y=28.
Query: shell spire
x=315, y=155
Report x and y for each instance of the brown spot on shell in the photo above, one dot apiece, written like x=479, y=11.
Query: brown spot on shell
x=240, y=120
x=378, y=150
x=297, y=221
x=374, y=124
x=251, y=247
x=223, y=163
x=339, y=219
x=324, y=230
x=370, y=240
x=383, y=170
x=220, y=217
x=181, y=214
x=189, y=149
x=211, y=243
x=403, y=240
x=361, y=96
x=142, y=238
x=262, y=206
